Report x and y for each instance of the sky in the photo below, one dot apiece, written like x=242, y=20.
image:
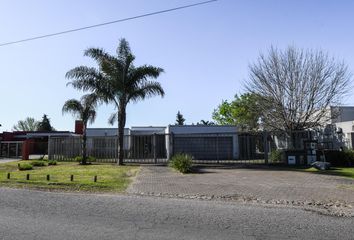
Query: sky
x=205, y=51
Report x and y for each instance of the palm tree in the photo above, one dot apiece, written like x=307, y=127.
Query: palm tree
x=85, y=111
x=117, y=81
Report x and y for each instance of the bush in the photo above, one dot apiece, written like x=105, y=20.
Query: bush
x=78, y=159
x=38, y=163
x=52, y=162
x=275, y=156
x=89, y=159
x=338, y=158
x=24, y=166
x=181, y=162
x=43, y=158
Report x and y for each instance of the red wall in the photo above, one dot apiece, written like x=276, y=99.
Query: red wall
x=79, y=126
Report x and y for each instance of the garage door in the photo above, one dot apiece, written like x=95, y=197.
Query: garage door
x=204, y=148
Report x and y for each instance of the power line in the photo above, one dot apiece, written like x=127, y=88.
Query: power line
x=107, y=23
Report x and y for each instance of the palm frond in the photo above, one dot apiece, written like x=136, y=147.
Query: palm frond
x=113, y=118
x=123, y=49
x=84, y=109
x=84, y=78
x=141, y=74
x=73, y=106
x=145, y=90
x=98, y=54
x=92, y=116
x=90, y=100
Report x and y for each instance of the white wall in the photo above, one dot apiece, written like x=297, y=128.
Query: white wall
x=347, y=128
x=192, y=129
x=185, y=129
x=105, y=132
x=345, y=114
x=147, y=130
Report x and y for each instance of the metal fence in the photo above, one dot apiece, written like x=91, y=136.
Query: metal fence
x=238, y=147
x=221, y=147
x=11, y=149
x=159, y=148
x=137, y=148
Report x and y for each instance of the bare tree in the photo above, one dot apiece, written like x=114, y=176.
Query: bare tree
x=29, y=124
x=298, y=87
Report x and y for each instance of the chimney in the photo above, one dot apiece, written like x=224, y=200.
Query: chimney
x=79, y=127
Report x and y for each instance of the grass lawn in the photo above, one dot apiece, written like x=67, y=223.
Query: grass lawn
x=340, y=171
x=110, y=177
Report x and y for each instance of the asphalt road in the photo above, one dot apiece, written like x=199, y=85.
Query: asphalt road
x=38, y=215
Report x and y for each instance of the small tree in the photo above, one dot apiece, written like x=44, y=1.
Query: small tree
x=85, y=111
x=45, y=125
x=180, y=119
x=29, y=124
x=244, y=111
x=297, y=87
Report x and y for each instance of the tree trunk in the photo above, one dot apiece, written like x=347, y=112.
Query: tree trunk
x=83, y=146
x=121, y=125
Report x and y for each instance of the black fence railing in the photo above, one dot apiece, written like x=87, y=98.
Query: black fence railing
x=240, y=147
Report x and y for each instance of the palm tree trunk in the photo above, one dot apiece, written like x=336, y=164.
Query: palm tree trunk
x=121, y=125
x=83, y=147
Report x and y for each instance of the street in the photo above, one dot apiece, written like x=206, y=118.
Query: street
x=26, y=214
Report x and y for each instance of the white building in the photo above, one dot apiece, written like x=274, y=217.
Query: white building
x=203, y=142
x=343, y=119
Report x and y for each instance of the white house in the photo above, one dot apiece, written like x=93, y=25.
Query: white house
x=203, y=142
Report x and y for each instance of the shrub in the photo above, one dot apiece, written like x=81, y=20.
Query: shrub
x=52, y=162
x=181, y=162
x=78, y=159
x=338, y=158
x=43, y=158
x=24, y=166
x=275, y=156
x=89, y=159
x=38, y=163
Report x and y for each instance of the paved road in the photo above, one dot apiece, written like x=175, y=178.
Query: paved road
x=26, y=214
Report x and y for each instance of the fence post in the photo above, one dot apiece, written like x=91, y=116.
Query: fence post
x=49, y=149
x=265, y=142
x=154, y=144
x=172, y=145
x=17, y=155
x=217, y=148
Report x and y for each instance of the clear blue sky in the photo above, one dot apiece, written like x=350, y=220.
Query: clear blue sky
x=205, y=51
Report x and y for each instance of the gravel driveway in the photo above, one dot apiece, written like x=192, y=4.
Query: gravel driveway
x=329, y=194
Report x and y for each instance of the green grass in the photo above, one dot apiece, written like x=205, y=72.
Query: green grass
x=340, y=171
x=110, y=177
